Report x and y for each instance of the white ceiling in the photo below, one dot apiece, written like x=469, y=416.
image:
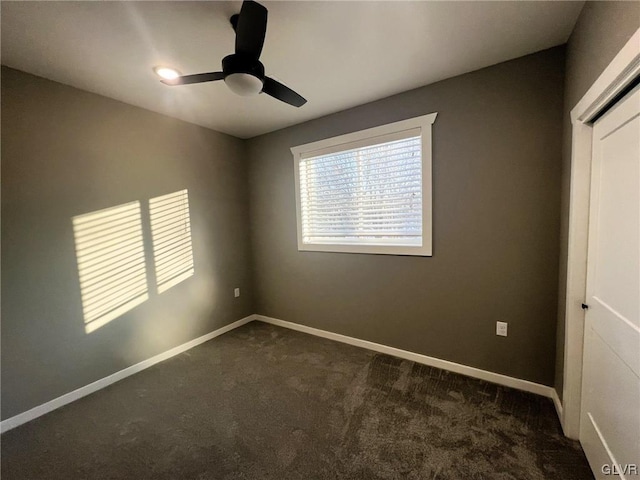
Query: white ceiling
x=336, y=54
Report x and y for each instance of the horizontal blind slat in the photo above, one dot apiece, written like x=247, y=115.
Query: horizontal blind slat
x=356, y=225
x=404, y=187
x=364, y=185
x=366, y=152
x=373, y=166
x=370, y=193
x=351, y=204
x=392, y=214
x=371, y=158
x=349, y=233
x=408, y=158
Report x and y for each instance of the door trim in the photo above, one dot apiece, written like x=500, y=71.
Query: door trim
x=623, y=70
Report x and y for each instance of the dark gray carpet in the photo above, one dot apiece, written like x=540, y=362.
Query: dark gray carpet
x=262, y=402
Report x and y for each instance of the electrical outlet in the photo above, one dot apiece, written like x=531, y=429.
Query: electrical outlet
x=236, y=292
x=501, y=329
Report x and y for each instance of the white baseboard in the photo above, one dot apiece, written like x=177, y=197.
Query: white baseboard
x=558, y=405
x=51, y=405
x=492, y=377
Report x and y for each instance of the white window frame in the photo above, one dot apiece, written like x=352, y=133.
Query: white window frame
x=363, y=138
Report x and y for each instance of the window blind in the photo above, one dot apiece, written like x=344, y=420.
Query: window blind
x=171, y=233
x=370, y=195
x=111, y=264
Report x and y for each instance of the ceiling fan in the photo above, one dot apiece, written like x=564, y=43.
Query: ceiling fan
x=242, y=71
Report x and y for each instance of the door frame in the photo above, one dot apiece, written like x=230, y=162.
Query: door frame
x=623, y=70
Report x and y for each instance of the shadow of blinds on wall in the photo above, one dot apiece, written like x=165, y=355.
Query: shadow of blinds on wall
x=111, y=263
x=171, y=233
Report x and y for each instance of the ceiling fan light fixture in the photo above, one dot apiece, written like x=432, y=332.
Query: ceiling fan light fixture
x=242, y=71
x=167, y=73
x=243, y=84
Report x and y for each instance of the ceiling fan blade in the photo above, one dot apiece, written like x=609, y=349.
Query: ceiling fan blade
x=281, y=92
x=251, y=29
x=197, y=78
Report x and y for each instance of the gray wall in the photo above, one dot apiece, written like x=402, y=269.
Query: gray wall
x=601, y=31
x=66, y=152
x=496, y=170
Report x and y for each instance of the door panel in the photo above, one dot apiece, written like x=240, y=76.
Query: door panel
x=610, y=421
x=617, y=263
x=617, y=406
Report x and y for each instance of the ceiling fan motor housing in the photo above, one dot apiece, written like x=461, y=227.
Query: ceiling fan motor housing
x=237, y=63
x=242, y=71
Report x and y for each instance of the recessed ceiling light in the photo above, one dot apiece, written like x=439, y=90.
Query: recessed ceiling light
x=166, y=72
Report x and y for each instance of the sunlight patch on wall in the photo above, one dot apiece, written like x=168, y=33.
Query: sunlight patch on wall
x=171, y=233
x=111, y=263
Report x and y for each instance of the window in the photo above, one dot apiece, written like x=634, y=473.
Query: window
x=368, y=191
x=171, y=233
x=111, y=263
